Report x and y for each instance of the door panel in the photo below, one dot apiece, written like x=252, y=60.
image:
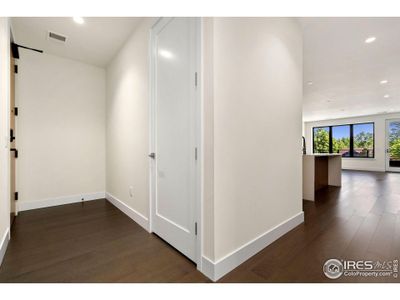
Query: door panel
x=174, y=42
x=12, y=141
x=393, y=145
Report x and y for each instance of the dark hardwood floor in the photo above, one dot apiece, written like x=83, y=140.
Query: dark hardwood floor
x=360, y=221
x=90, y=242
x=95, y=242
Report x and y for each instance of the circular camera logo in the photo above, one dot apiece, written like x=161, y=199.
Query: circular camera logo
x=333, y=268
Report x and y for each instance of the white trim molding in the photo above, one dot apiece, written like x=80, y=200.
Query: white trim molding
x=4, y=244
x=215, y=270
x=129, y=211
x=28, y=205
x=367, y=169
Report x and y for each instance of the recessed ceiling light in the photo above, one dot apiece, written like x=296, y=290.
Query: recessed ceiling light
x=383, y=81
x=79, y=20
x=310, y=82
x=386, y=96
x=370, y=39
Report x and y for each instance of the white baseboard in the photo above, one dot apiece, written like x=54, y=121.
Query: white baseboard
x=368, y=169
x=129, y=211
x=28, y=205
x=208, y=268
x=4, y=244
x=215, y=270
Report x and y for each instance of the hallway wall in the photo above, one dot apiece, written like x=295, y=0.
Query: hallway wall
x=256, y=91
x=128, y=125
x=4, y=134
x=60, y=130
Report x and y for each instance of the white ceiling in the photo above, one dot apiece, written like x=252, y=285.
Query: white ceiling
x=346, y=71
x=94, y=42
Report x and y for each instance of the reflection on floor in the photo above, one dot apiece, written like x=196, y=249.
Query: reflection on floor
x=97, y=243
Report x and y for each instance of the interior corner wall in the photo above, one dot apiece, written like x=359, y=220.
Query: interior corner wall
x=257, y=65
x=207, y=72
x=128, y=125
x=4, y=134
x=363, y=164
x=60, y=132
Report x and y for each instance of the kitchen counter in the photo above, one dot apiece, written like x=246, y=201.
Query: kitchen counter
x=319, y=171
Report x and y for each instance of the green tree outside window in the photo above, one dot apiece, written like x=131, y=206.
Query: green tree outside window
x=321, y=141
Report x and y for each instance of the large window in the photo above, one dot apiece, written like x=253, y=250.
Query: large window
x=352, y=140
x=363, y=140
x=321, y=140
x=341, y=140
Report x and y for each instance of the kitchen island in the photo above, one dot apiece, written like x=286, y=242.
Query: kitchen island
x=319, y=171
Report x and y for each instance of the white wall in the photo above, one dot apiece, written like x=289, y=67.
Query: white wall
x=257, y=96
x=367, y=164
x=60, y=130
x=128, y=122
x=4, y=134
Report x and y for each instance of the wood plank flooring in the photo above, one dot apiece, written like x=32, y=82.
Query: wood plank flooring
x=95, y=242
x=358, y=221
x=90, y=242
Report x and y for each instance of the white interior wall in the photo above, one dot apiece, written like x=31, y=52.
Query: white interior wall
x=128, y=125
x=60, y=130
x=366, y=164
x=257, y=94
x=4, y=134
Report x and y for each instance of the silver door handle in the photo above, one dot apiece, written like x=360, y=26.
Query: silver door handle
x=152, y=155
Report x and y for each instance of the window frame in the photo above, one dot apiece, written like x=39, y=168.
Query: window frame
x=351, y=148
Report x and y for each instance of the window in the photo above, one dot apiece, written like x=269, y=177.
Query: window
x=321, y=140
x=352, y=140
x=363, y=140
x=341, y=140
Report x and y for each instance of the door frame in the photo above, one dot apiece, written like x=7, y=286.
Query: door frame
x=198, y=127
x=13, y=158
x=387, y=167
x=12, y=124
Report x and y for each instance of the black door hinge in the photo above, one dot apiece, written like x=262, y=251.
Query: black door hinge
x=195, y=79
x=16, y=196
x=195, y=228
x=12, y=137
x=16, y=69
x=15, y=152
x=15, y=111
